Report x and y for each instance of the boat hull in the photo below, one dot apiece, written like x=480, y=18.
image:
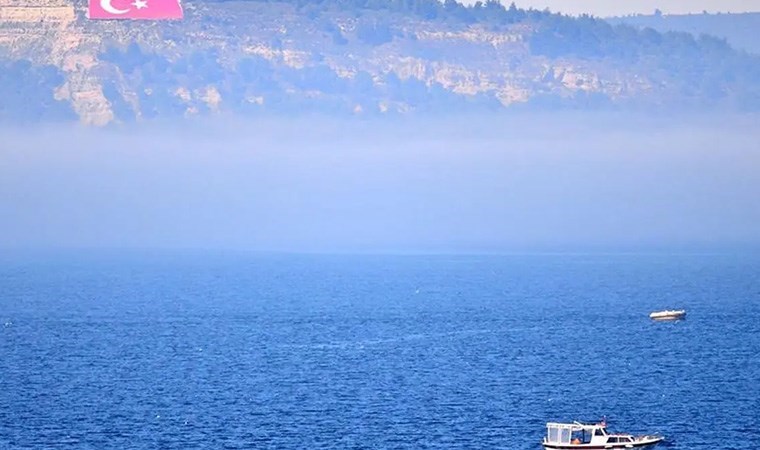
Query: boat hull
x=668, y=315
x=647, y=444
x=662, y=319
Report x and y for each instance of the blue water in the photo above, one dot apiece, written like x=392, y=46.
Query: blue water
x=191, y=350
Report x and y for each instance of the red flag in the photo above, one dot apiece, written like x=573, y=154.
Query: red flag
x=135, y=9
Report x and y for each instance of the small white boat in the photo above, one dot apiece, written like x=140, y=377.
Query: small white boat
x=567, y=436
x=668, y=314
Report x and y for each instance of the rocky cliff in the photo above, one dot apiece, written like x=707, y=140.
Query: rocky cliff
x=253, y=57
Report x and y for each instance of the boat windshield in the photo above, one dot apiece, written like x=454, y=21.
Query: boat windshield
x=558, y=433
x=581, y=437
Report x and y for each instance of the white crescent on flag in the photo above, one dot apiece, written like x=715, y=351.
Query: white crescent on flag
x=109, y=8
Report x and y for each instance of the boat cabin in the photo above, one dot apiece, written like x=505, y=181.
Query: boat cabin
x=575, y=433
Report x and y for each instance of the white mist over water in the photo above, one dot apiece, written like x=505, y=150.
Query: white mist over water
x=507, y=183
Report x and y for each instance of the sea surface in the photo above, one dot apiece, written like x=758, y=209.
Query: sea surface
x=209, y=350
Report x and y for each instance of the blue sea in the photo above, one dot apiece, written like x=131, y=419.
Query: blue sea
x=184, y=350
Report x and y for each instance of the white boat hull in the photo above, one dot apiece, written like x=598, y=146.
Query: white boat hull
x=668, y=315
x=649, y=443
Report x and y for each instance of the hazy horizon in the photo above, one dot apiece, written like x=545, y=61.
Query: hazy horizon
x=317, y=185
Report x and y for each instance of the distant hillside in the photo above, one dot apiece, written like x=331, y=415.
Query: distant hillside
x=742, y=31
x=357, y=57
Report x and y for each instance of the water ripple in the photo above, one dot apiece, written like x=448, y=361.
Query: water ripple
x=375, y=352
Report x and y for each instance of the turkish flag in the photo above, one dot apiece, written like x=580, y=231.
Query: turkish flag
x=135, y=9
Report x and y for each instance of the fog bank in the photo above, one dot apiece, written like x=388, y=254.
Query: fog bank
x=511, y=183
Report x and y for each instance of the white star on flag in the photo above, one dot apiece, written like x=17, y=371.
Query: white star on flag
x=140, y=4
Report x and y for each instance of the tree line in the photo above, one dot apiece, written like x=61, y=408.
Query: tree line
x=27, y=93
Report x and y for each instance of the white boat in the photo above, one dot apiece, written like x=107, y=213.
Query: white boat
x=668, y=314
x=566, y=436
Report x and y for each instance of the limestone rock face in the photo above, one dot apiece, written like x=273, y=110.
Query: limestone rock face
x=250, y=56
x=53, y=32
